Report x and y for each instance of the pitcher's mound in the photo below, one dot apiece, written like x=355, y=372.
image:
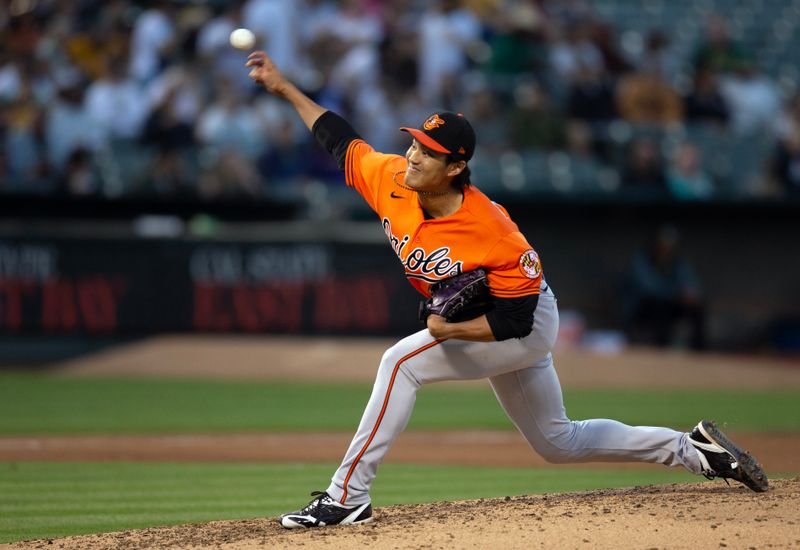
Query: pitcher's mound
x=698, y=515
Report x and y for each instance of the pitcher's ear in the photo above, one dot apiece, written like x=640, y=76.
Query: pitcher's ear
x=455, y=168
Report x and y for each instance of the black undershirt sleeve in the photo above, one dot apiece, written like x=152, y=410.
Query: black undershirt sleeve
x=512, y=317
x=335, y=134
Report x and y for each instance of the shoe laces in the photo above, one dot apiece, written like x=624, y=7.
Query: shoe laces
x=713, y=474
x=320, y=496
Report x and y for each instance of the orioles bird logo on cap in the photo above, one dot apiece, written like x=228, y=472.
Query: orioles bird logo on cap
x=433, y=122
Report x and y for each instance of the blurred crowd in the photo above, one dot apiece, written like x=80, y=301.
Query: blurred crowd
x=124, y=98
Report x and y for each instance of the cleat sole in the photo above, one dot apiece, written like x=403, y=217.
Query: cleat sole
x=754, y=476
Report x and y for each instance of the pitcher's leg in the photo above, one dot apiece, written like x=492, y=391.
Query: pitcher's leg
x=385, y=417
x=532, y=399
x=412, y=362
x=420, y=359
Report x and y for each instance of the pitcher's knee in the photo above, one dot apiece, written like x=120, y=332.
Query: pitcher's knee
x=392, y=361
x=554, y=455
x=389, y=360
x=556, y=444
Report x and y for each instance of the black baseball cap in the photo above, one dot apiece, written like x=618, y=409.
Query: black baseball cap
x=446, y=132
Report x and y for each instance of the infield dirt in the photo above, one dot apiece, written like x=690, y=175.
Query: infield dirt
x=700, y=515
x=667, y=516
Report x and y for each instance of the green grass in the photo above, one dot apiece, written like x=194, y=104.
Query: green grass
x=39, y=500
x=43, y=404
x=56, y=499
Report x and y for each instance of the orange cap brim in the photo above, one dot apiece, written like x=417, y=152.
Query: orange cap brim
x=426, y=140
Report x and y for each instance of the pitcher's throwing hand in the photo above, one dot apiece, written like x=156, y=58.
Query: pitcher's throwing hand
x=264, y=72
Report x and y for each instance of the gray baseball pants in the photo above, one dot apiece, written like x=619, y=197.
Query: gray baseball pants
x=525, y=382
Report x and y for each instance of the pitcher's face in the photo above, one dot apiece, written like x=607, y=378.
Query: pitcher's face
x=428, y=170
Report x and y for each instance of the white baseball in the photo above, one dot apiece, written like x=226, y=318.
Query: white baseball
x=243, y=39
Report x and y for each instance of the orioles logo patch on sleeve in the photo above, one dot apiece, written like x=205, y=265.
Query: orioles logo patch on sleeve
x=529, y=264
x=433, y=122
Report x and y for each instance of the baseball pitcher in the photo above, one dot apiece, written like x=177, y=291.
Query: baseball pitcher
x=488, y=312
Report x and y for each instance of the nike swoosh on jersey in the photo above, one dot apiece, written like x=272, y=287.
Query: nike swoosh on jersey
x=395, y=196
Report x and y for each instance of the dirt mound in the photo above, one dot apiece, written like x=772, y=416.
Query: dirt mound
x=702, y=515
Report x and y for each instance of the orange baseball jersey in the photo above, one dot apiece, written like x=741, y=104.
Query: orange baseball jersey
x=479, y=234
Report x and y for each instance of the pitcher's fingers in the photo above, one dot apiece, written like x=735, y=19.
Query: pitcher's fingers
x=258, y=54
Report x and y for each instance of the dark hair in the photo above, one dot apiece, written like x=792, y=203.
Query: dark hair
x=462, y=180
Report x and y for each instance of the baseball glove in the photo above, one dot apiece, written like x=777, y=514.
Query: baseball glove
x=459, y=298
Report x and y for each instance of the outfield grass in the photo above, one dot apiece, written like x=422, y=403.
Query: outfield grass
x=56, y=499
x=39, y=500
x=43, y=404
